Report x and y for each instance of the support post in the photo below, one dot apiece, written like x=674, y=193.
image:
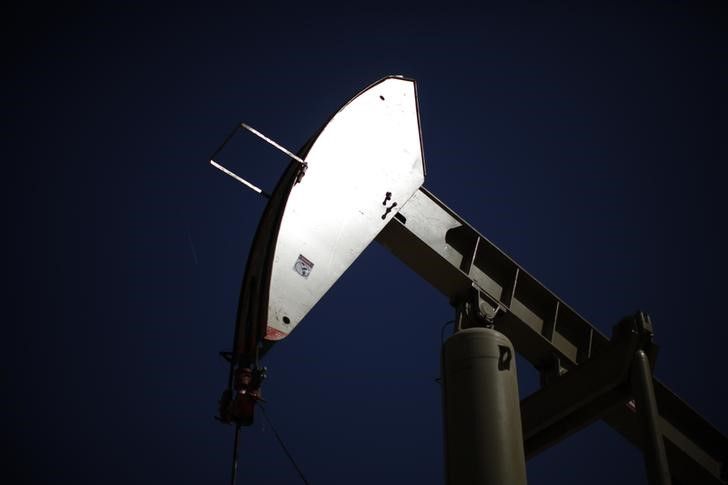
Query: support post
x=658, y=472
x=481, y=408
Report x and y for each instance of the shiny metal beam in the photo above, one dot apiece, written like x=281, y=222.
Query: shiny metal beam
x=455, y=258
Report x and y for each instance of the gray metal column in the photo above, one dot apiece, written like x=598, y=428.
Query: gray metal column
x=482, y=417
x=658, y=472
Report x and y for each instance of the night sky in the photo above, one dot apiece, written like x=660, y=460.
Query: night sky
x=587, y=144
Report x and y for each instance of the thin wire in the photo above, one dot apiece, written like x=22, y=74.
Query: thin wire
x=442, y=342
x=280, y=441
x=442, y=330
x=225, y=142
x=234, y=473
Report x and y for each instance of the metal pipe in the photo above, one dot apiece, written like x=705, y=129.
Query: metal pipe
x=653, y=445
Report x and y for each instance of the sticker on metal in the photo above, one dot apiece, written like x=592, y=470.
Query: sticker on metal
x=303, y=266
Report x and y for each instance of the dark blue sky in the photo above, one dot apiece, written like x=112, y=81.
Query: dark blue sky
x=587, y=144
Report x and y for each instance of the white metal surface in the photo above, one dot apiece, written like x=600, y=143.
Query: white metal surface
x=369, y=149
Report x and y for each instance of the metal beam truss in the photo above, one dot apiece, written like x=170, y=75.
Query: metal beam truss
x=585, y=375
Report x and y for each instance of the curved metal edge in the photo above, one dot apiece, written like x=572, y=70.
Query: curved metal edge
x=252, y=314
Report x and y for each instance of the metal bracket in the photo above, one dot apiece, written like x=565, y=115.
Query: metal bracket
x=477, y=309
x=638, y=326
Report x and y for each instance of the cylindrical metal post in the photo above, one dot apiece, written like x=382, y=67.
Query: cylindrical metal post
x=482, y=416
x=658, y=472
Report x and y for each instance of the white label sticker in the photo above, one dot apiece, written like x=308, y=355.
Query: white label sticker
x=303, y=266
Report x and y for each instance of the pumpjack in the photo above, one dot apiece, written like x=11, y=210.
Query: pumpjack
x=360, y=178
